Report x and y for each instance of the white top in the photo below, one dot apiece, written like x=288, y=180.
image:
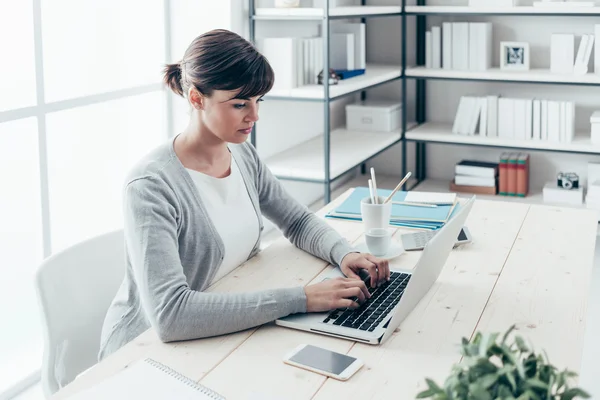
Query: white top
x=232, y=213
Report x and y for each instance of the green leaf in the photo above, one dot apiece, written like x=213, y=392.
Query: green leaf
x=513, y=383
x=521, y=343
x=477, y=392
x=504, y=392
x=508, y=332
x=532, y=395
x=432, y=385
x=537, y=384
x=488, y=381
x=425, y=394
x=573, y=392
x=560, y=380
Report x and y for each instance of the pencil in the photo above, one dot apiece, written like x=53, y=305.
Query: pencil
x=374, y=185
x=398, y=187
x=407, y=203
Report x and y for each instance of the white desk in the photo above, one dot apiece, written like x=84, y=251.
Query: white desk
x=528, y=265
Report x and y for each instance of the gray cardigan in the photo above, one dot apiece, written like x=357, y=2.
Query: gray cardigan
x=173, y=252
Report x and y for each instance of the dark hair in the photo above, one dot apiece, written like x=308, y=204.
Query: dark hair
x=221, y=60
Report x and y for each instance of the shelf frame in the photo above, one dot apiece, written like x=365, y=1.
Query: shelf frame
x=422, y=11
x=495, y=75
x=478, y=141
x=344, y=171
x=524, y=11
x=327, y=98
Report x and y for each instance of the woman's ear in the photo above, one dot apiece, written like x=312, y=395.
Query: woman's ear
x=196, y=99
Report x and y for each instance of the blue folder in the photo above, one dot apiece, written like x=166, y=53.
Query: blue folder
x=402, y=215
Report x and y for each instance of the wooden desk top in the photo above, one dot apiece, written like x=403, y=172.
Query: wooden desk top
x=528, y=265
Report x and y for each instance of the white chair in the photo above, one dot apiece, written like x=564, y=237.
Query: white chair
x=75, y=288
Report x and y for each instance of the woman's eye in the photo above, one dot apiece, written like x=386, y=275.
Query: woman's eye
x=239, y=106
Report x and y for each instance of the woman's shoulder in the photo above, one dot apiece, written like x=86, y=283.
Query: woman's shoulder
x=246, y=153
x=156, y=165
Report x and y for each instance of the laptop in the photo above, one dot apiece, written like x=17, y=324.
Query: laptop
x=378, y=317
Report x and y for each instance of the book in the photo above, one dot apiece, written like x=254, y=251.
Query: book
x=503, y=174
x=522, y=184
x=512, y=174
x=431, y=198
x=476, y=168
x=149, y=380
x=474, y=180
x=492, y=190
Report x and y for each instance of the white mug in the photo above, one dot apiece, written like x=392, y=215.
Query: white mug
x=375, y=215
x=378, y=241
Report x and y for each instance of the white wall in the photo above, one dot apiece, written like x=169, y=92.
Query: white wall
x=442, y=96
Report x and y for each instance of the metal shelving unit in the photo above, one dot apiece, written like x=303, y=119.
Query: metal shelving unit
x=323, y=160
x=426, y=132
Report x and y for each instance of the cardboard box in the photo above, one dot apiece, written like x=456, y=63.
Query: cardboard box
x=374, y=115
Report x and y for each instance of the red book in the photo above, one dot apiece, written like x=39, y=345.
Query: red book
x=503, y=175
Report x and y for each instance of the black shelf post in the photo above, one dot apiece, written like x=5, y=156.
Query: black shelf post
x=421, y=100
x=252, y=34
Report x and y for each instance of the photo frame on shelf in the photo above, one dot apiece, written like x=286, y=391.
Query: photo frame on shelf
x=514, y=56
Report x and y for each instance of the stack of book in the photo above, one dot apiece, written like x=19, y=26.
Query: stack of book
x=405, y=213
x=514, y=174
x=460, y=46
x=297, y=61
x=475, y=177
x=515, y=118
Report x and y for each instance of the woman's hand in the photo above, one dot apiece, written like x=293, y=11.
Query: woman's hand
x=379, y=269
x=335, y=293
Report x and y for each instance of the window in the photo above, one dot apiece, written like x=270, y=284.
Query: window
x=103, y=48
x=88, y=158
x=17, y=79
x=21, y=249
x=82, y=101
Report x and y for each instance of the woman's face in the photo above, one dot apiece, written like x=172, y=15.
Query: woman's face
x=230, y=118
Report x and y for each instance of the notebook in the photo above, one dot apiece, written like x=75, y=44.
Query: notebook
x=431, y=198
x=149, y=380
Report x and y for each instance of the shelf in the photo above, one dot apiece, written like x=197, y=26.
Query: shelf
x=310, y=13
x=524, y=10
x=306, y=161
x=374, y=75
x=496, y=74
x=441, y=133
x=535, y=194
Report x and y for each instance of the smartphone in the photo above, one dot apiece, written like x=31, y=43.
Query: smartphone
x=418, y=240
x=322, y=361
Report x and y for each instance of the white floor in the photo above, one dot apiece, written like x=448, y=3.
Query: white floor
x=591, y=352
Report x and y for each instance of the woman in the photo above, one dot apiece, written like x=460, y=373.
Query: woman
x=192, y=208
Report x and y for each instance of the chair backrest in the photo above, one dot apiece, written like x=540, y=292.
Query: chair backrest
x=75, y=288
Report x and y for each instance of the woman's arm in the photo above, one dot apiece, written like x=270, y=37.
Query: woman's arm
x=175, y=311
x=304, y=229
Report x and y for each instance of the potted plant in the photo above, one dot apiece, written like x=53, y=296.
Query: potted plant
x=492, y=369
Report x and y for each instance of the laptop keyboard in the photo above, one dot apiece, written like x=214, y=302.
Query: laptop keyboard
x=374, y=310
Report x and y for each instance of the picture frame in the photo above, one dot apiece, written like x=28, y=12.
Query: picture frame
x=514, y=56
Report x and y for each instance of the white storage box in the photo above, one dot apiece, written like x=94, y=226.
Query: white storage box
x=557, y=195
x=374, y=115
x=595, y=123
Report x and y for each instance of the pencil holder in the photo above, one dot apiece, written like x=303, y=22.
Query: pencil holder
x=375, y=216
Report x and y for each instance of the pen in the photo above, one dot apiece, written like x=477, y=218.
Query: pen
x=406, y=203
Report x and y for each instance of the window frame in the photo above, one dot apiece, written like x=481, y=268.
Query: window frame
x=41, y=109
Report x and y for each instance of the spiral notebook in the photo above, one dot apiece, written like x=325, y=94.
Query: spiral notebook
x=148, y=380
